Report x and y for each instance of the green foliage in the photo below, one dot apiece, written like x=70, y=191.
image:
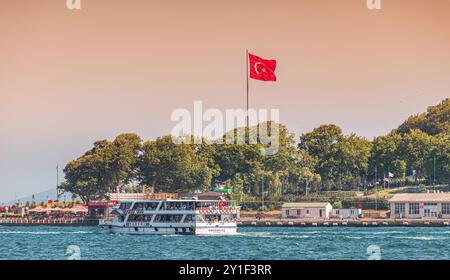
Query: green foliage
x=337, y=205
x=105, y=166
x=415, y=148
x=352, y=156
x=171, y=167
x=437, y=161
x=237, y=185
x=239, y=159
x=324, y=159
x=435, y=121
x=339, y=159
x=385, y=156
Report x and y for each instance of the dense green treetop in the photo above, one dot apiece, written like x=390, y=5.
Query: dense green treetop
x=435, y=121
x=323, y=158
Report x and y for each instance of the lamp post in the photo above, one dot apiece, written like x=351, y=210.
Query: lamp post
x=434, y=171
x=376, y=188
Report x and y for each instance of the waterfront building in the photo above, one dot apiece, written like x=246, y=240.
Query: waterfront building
x=351, y=213
x=312, y=210
x=420, y=205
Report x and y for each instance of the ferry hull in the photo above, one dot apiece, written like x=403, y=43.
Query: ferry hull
x=206, y=230
x=147, y=230
x=228, y=229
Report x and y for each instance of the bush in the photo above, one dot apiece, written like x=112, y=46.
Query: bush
x=337, y=205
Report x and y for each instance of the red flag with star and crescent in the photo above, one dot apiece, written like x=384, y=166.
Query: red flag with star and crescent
x=262, y=69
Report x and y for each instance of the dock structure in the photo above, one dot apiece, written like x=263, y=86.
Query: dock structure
x=254, y=222
x=48, y=222
x=345, y=223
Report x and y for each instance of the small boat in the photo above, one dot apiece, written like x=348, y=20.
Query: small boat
x=173, y=216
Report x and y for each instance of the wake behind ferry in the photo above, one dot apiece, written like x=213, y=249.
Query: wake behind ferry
x=173, y=216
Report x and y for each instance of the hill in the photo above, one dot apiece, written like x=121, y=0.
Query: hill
x=435, y=121
x=39, y=197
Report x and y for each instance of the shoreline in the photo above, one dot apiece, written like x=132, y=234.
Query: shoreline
x=58, y=223
x=277, y=223
x=345, y=223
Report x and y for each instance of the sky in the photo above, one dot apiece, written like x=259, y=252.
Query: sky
x=71, y=77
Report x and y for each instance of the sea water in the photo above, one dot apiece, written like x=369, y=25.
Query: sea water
x=251, y=243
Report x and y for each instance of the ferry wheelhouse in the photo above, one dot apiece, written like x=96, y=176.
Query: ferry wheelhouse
x=173, y=216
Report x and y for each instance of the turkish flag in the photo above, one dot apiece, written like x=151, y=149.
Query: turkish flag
x=262, y=69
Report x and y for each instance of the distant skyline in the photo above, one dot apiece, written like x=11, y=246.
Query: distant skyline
x=69, y=78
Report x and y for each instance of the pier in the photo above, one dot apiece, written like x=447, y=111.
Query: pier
x=344, y=223
x=48, y=222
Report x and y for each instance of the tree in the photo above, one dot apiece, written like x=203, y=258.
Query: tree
x=437, y=163
x=272, y=184
x=339, y=159
x=321, y=144
x=385, y=156
x=337, y=205
x=102, y=168
x=352, y=157
x=245, y=160
x=293, y=168
x=173, y=167
x=435, y=121
x=415, y=148
x=285, y=171
x=125, y=151
x=237, y=185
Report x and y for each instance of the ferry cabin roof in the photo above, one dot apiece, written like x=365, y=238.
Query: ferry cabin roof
x=171, y=200
x=189, y=203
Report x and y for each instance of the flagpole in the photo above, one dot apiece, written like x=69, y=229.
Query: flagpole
x=247, y=121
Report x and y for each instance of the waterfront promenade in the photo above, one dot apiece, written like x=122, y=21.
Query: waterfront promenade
x=75, y=222
x=277, y=222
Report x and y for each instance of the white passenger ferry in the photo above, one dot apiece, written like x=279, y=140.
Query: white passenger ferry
x=173, y=216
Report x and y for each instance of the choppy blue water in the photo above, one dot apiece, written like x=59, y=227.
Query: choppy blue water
x=251, y=243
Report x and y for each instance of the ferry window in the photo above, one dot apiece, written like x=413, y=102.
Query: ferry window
x=414, y=208
x=168, y=218
x=150, y=206
x=446, y=208
x=299, y=212
x=147, y=218
x=138, y=206
x=191, y=206
x=189, y=218
x=125, y=205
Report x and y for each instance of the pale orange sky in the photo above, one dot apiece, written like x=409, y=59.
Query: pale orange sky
x=68, y=78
